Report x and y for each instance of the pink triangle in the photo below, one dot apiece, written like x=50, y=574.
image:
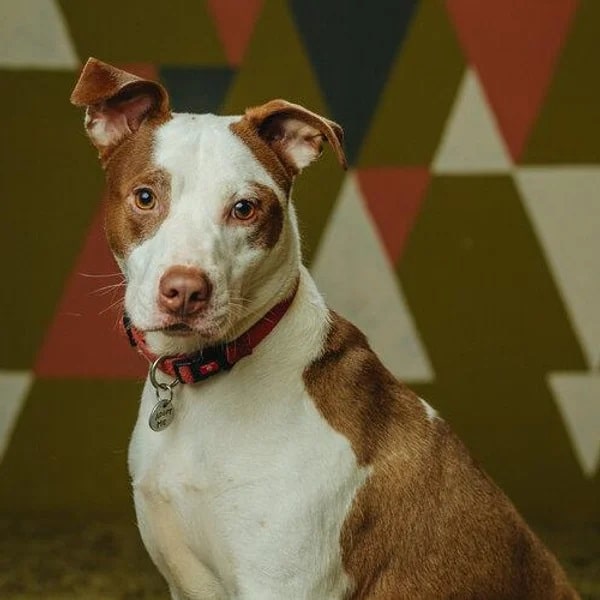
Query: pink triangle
x=514, y=46
x=84, y=339
x=235, y=23
x=394, y=196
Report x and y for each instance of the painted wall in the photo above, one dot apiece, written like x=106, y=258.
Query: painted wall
x=464, y=239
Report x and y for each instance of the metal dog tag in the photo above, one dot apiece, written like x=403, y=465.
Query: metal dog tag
x=162, y=414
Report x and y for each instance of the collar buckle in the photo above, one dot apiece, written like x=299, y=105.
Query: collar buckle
x=201, y=366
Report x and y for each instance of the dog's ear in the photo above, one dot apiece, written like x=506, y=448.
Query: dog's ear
x=295, y=133
x=117, y=103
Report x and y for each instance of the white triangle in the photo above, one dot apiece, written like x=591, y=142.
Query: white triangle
x=578, y=398
x=33, y=35
x=471, y=142
x=564, y=206
x=354, y=274
x=14, y=386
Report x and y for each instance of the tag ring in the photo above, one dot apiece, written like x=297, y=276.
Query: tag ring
x=158, y=385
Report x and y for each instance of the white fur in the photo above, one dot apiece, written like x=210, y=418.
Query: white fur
x=301, y=142
x=429, y=410
x=249, y=482
x=244, y=495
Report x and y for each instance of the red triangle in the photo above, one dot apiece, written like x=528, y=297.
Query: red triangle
x=394, y=196
x=84, y=339
x=235, y=22
x=514, y=46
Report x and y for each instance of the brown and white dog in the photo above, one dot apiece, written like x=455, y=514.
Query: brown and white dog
x=304, y=471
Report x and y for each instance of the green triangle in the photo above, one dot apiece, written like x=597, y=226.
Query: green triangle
x=176, y=32
x=418, y=96
x=274, y=67
x=51, y=184
x=285, y=72
x=68, y=451
x=566, y=131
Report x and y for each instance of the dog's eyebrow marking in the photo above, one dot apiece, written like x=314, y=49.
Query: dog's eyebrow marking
x=270, y=221
x=132, y=165
x=263, y=153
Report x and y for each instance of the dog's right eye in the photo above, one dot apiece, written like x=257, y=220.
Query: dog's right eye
x=145, y=199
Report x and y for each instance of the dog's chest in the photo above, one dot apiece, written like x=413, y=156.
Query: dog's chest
x=253, y=483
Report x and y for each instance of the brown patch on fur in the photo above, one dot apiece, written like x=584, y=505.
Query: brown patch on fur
x=130, y=167
x=269, y=223
x=261, y=129
x=267, y=118
x=428, y=523
x=265, y=155
x=265, y=228
x=120, y=99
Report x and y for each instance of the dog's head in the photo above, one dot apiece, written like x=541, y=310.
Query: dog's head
x=198, y=211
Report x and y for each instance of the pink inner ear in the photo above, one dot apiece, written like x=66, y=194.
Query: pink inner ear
x=134, y=109
x=106, y=126
x=110, y=121
x=298, y=141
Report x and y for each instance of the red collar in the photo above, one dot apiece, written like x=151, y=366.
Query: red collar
x=200, y=365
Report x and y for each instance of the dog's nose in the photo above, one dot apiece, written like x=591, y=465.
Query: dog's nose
x=183, y=291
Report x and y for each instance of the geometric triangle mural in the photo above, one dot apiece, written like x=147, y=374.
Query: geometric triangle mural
x=350, y=263
x=463, y=242
x=564, y=208
x=196, y=89
x=235, y=23
x=337, y=37
x=14, y=386
x=393, y=196
x=578, y=397
x=471, y=142
x=33, y=35
x=514, y=47
x=84, y=338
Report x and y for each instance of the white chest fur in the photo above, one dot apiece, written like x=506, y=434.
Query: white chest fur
x=245, y=494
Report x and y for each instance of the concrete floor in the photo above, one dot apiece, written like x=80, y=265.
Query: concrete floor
x=104, y=560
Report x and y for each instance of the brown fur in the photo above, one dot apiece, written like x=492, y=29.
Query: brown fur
x=269, y=223
x=265, y=155
x=120, y=97
x=129, y=168
x=267, y=118
x=260, y=130
x=428, y=524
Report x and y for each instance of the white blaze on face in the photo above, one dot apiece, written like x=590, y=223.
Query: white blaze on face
x=210, y=169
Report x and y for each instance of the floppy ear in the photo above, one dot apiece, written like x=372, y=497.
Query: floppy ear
x=295, y=133
x=117, y=103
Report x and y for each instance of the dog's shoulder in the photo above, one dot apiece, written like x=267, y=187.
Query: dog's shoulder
x=359, y=397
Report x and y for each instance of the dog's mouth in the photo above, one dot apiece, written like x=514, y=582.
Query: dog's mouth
x=178, y=330
x=182, y=329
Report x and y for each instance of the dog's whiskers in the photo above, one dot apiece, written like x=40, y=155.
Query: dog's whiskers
x=107, y=288
x=117, y=274
x=112, y=305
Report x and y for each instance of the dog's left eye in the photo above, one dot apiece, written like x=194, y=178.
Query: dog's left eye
x=145, y=199
x=243, y=210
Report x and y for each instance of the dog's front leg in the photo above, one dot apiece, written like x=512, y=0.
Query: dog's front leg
x=187, y=577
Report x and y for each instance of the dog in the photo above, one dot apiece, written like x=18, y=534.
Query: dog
x=274, y=457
